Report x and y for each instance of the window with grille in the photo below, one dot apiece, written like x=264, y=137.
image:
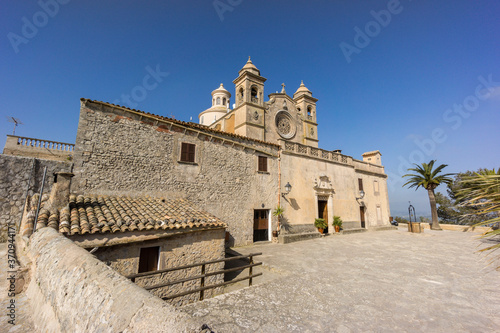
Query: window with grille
x=188, y=152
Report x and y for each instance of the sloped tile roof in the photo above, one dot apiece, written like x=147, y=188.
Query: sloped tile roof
x=179, y=122
x=92, y=214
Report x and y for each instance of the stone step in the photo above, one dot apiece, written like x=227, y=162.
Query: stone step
x=384, y=227
x=290, y=238
x=353, y=231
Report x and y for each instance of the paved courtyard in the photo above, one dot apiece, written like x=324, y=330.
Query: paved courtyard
x=387, y=281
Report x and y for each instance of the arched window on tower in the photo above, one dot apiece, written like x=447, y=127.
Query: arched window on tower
x=241, y=95
x=309, y=112
x=253, y=93
x=224, y=101
x=218, y=100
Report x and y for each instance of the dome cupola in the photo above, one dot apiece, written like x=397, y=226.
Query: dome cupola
x=302, y=90
x=249, y=67
x=221, y=101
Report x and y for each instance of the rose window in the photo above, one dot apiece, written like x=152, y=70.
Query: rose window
x=284, y=125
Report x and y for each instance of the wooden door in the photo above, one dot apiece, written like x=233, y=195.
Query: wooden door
x=260, y=225
x=148, y=259
x=362, y=216
x=323, y=212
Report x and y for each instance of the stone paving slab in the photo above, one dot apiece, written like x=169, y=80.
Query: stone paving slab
x=388, y=281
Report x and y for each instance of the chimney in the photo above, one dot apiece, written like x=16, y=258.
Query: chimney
x=59, y=195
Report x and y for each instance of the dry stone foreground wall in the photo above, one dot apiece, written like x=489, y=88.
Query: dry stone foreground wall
x=15, y=173
x=72, y=291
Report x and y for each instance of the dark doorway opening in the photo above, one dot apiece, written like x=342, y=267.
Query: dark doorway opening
x=260, y=225
x=362, y=216
x=148, y=259
x=323, y=212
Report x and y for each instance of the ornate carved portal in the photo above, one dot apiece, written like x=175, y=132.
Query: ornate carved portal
x=323, y=187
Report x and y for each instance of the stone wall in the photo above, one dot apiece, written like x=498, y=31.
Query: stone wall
x=15, y=173
x=119, y=151
x=458, y=227
x=175, y=251
x=72, y=291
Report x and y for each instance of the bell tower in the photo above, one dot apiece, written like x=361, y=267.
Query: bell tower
x=249, y=97
x=306, y=107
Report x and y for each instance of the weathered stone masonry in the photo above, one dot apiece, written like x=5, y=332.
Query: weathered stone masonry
x=15, y=172
x=175, y=251
x=71, y=291
x=119, y=151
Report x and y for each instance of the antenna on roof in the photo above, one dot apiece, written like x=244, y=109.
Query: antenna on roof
x=16, y=122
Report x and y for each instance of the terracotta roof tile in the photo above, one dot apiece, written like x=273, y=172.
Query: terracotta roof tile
x=108, y=214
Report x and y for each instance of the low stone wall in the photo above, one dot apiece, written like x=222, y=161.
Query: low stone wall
x=72, y=291
x=455, y=227
x=15, y=173
x=458, y=227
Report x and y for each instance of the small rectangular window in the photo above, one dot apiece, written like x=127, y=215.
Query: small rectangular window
x=187, y=152
x=360, y=183
x=379, y=213
x=148, y=259
x=375, y=186
x=263, y=163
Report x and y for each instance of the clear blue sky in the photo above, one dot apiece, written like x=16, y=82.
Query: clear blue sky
x=405, y=74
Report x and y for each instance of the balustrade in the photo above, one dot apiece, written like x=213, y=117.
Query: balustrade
x=316, y=152
x=45, y=144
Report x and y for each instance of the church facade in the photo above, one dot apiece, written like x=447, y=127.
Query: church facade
x=324, y=183
x=237, y=164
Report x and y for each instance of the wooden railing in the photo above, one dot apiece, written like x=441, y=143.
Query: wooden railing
x=203, y=275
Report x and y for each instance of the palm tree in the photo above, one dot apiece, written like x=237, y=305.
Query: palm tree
x=424, y=175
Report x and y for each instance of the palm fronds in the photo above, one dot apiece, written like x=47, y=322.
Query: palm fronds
x=482, y=191
x=424, y=175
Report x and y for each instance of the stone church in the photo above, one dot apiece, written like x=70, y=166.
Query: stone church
x=325, y=183
x=238, y=164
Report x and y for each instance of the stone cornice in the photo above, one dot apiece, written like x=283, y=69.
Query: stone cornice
x=259, y=78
